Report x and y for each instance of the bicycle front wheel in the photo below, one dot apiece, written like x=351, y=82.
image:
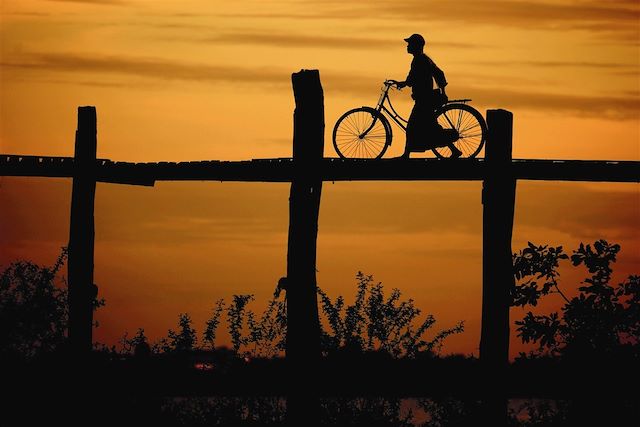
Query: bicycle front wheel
x=471, y=128
x=362, y=133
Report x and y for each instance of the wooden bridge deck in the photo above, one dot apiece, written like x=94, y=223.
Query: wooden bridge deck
x=330, y=169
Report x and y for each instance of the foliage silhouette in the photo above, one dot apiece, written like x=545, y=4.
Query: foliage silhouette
x=601, y=320
x=374, y=322
x=138, y=345
x=183, y=340
x=591, y=342
x=235, y=317
x=209, y=335
x=34, y=309
x=530, y=265
x=382, y=336
x=376, y=329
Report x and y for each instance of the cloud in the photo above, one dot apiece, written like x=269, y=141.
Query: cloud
x=571, y=208
x=619, y=18
x=601, y=106
x=145, y=67
x=292, y=40
x=582, y=212
x=184, y=213
x=350, y=14
x=30, y=14
x=201, y=33
x=609, y=106
x=98, y=2
x=301, y=40
x=531, y=13
x=564, y=64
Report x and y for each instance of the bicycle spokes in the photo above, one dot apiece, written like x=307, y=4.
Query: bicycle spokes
x=361, y=133
x=470, y=126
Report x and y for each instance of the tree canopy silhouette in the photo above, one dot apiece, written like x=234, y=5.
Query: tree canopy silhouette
x=602, y=320
x=34, y=309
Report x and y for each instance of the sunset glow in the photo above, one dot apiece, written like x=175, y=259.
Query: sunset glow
x=179, y=80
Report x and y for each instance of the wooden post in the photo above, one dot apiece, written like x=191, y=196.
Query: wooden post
x=498, y=197
x=82, y=291
x=303, y=325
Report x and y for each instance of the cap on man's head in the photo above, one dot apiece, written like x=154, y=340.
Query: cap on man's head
x=415, y=38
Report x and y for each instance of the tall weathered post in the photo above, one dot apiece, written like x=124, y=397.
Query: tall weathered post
x=82, y=291
x=303, y=325
x=498, y=198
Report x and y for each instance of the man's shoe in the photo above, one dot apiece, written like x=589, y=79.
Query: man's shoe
x=455, y=153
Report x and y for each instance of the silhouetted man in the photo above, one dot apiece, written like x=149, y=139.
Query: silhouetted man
x=423, y=124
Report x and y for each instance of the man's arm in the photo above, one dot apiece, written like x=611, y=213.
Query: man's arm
x=410, y=76
x=438, y=75
x=408, y=81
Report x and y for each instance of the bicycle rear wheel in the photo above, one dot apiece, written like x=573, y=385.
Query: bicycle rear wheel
x=362, y=133
x=471, y=128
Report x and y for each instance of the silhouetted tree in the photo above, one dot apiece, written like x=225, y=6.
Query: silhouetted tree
x=267, y=335
x=375, y=322
x=252, y=335
x=33, y=308
x=138, y=345
x=235, y=317
x=594, y=337
x=602, y=319
x=211, y=327
x=532, y=265
x=183, y=340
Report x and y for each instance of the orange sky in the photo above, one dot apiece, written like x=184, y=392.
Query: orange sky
x=189, y=80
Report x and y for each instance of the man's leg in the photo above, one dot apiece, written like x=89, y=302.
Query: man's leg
x=412, y=131
x=447, y=138
x=455, y=153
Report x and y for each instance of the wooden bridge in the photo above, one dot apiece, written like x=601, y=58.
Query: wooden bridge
x=330, y=169
x=306, y=171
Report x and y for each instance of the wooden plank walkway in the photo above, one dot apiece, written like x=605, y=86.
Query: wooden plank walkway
x=330, y=169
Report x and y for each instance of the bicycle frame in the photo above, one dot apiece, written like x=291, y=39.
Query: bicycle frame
x=390, y=112
x=393, y=114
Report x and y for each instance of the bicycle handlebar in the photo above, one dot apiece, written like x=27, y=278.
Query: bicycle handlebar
x=391, y=82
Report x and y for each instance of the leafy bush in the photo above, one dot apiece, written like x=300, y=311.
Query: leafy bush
x=601, y=320
x=34, y=310
x=375, y=322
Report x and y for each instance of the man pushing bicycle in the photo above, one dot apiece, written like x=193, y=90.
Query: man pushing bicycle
x=436, y=122
x=423, y=130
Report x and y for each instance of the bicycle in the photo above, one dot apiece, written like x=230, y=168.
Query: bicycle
x=365, y=132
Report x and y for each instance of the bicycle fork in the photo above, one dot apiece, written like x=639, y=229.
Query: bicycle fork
x=373, y=123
